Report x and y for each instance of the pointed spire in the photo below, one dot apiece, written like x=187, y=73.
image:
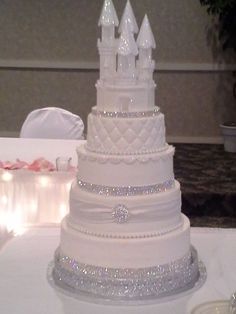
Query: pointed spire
x=127, y=44
x=128, y=18
x=145, y=37
x=108, y=15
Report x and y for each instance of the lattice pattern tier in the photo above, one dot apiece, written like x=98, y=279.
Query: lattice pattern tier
x=126, y=136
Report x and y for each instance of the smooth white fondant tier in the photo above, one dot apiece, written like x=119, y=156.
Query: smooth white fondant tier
x=130, y=96
x=113, y=135
x=125, y=253
x=148, y=215
x=114, y=170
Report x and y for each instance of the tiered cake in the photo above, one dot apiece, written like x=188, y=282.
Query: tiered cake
x=125, y=236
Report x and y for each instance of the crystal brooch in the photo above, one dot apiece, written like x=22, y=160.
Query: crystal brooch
x=120, y=214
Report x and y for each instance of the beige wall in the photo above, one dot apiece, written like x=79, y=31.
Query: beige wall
x=48, y=57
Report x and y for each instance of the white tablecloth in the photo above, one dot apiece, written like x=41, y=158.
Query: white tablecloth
x=28, y=149
x=33, y=197
x=28, y=197
x=24, y=288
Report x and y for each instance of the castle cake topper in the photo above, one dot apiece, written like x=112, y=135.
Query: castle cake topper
x=126, y=65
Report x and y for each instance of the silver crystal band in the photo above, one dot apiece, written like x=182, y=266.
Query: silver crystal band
x=124, y=114
x=126, y=190
x=127, y=284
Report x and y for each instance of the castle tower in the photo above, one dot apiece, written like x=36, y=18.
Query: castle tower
x=127, y=47
x=146, y=43
x=127, y=51
x=108, y=44
x=128, y=18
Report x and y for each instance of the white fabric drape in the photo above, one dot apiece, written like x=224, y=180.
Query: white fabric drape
x=54, y=123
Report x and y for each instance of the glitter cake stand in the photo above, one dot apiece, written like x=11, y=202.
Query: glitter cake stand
x=126, y=285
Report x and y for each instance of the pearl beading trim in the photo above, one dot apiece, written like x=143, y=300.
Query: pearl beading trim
x=126, y=190
x=127, y=236
x=134, y=153
x=126, y=284
x=124, y=114
x=164, y=155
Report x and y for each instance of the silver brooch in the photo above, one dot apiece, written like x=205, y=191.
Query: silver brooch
x=120, y=214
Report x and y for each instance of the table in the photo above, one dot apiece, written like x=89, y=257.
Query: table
x=29, y=149
x=29, y=197
x=24, y=288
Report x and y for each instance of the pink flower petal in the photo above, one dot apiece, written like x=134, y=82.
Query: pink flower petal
x=7, y=165
x=41, y=164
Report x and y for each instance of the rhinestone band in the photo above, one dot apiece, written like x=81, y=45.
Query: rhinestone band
x=126, y=190
x=123, y=114
x=127, y=284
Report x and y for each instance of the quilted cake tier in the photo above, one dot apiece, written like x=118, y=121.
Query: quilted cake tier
x=126, y=133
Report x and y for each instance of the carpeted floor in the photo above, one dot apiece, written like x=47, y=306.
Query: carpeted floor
x=208, y=182
x=213, y=222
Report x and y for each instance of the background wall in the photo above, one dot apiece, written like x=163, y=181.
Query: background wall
x=48, y=57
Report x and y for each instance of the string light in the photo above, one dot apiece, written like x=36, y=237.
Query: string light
x=44, y=181
x=7, y=176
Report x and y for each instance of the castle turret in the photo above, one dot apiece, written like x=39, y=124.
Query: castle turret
x=108, y=20
x=127, y=51
x=146, y=43
x=128, y=18
x=108, y=44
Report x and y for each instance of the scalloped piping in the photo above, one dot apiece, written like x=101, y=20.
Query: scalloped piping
x=127, y=159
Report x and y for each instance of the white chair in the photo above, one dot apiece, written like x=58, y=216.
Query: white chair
x=52, y=123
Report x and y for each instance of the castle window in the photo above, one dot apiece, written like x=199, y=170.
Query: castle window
x=124, y=103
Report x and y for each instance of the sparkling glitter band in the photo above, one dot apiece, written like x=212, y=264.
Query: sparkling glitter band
x=123, y=114
x=126, y=190
x=127, y=284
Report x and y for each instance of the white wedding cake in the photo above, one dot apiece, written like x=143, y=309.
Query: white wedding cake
x=125, y=236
